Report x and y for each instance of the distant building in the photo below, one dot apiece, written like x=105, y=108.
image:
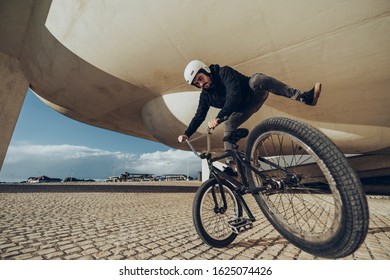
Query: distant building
x=112, y=179
x=174, y=177
x=131, y=177
x=42, y=179
x=135, y=177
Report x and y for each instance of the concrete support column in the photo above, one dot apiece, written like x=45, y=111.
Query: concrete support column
x=206, y=171
x=13, y=88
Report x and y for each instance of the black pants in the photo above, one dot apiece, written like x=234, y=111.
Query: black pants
x=261, y=85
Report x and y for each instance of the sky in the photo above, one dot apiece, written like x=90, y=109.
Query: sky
x=46, y=142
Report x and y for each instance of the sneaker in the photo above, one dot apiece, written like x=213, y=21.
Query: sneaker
x=229, y=171
x=311, y=97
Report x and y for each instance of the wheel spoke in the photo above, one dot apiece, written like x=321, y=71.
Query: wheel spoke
x=305, y=209
x=215, y=222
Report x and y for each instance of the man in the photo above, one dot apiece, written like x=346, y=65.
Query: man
x=237, y=95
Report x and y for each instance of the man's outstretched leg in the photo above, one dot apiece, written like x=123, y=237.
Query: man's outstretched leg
x=260, y=81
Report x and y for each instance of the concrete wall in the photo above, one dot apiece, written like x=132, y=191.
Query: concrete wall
x=13, y=88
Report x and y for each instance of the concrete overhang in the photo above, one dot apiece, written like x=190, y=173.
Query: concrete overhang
x=118, y=64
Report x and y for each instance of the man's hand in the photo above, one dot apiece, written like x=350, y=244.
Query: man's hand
x=182, y=138
x=213, y=123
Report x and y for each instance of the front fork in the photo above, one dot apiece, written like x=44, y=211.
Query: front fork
x=220, y=209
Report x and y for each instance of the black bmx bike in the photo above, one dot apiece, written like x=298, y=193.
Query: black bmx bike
x=301, y=181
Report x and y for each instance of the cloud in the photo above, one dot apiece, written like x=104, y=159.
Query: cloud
x=25, y=160
x=171, y=161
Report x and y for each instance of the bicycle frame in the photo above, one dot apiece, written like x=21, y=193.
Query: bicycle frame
x=243, y=166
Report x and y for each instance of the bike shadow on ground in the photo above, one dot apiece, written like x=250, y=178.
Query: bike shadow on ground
x=378, y=230
x=263, y=242
x=251, y=243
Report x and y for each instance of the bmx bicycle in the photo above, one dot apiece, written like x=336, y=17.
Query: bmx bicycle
x=301, y=181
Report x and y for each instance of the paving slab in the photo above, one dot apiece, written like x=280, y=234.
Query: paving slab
x=102, y=223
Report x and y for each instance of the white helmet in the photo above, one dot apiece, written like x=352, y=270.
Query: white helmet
x=193, y=68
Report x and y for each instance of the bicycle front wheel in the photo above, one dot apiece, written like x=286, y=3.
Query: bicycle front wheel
x=314, y=198
x=215, y=205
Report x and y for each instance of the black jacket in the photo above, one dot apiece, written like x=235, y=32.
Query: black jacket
x=228, y=92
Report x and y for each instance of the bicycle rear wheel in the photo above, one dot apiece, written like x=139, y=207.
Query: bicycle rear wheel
x=315, y=199
x=210, y=215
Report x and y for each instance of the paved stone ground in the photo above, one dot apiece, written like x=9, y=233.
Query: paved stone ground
x=144, y=225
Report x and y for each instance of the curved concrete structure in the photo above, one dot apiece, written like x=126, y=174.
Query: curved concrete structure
x=118, y=64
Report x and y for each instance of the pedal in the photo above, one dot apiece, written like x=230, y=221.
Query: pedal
x=239, y=225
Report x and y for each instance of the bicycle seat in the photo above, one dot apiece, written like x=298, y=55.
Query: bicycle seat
x=236, y=135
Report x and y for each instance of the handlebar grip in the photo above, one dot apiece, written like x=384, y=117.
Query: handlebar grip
x=219, y=121
x=223, y=119
x=205, y=156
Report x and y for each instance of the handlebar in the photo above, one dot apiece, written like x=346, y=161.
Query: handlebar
x=207, y=153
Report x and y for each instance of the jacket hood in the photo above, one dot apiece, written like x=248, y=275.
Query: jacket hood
x=214, y=69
